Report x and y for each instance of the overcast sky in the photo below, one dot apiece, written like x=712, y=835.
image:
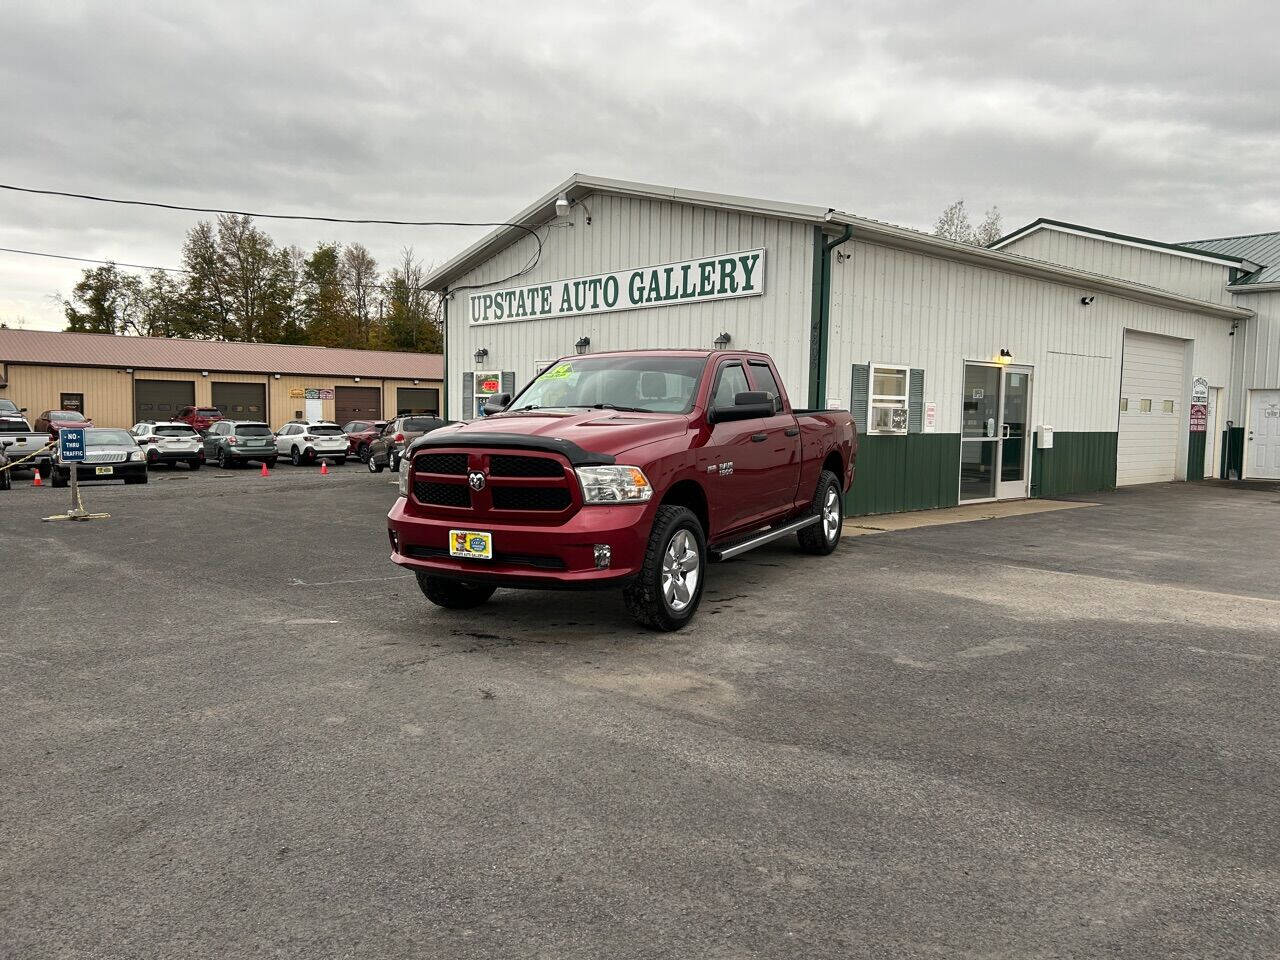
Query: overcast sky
x=1161, y=120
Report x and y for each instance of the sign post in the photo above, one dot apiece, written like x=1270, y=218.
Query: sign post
x=71, y=450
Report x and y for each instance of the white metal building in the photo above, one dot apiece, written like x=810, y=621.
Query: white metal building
x=959, y=363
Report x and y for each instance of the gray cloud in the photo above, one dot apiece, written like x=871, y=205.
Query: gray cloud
x=1153, y=119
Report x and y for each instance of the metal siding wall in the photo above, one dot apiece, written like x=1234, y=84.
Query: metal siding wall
x=108, y=393
x=1167, y=271
x=892, y=306
x=1257, y=352
x=634, y=232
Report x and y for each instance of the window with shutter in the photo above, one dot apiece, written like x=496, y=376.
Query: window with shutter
x=915, y=401
x=468, y=395
x=858, y=392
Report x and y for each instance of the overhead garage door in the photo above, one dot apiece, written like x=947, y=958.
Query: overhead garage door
x=357, y=403
x=1151, y=411
x=417, y=400
x=241, y=401
x=162, y=399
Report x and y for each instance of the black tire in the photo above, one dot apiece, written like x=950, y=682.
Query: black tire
x=394, y=464
x=57, y=479
x=223, y=460
x=824, y=536
x=373, y=464
x=453, y=594
x=647, y=600
x=294, y=457
x=193, y=464
x=309, y=455
x=270, y=462
x=153, y=458
x=362, y=453
x=6, y=481
x=340, y=461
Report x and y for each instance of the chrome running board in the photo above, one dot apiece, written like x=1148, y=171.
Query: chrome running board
x=760, y=539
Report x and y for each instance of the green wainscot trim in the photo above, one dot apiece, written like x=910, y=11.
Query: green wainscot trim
x=1078, y=463
x=1195, y=454
x=916, y=471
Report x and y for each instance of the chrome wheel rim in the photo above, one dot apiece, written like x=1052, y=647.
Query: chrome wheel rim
x=831, y=514
x=681, y=571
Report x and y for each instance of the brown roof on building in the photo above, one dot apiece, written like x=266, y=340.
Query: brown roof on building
x=106, y=350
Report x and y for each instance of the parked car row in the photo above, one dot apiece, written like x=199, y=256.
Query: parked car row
x=202, y=435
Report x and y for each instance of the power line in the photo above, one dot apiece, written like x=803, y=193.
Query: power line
x=317, y=218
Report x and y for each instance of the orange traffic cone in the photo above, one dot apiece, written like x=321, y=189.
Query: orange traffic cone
x=37, y=482
x=324, y=468
x=265, y=471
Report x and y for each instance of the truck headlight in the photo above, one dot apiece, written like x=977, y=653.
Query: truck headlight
x=614, y=485
x=402, y=481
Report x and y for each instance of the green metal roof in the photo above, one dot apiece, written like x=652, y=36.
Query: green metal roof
x=1260, y=248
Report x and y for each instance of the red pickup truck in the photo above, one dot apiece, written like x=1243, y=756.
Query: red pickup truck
x=631, y=469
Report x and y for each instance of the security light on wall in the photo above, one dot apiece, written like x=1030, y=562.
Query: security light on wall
x=722, y=341
x=355, y=379
x=1086, y=301
x=276, y=375
x=583, y=344
x=562, y=206
x=480, y=355
x=204, y=373
x=415, y=383
x=128, y=369
x=1004, y=356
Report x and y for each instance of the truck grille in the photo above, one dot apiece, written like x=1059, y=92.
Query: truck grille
x=449, y=463
x=442, y=494
x=503, y=465
x=530, y=498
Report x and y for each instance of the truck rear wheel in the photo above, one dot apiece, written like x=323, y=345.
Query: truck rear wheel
x=453, y=594
x=824, y=536
x=666, y=593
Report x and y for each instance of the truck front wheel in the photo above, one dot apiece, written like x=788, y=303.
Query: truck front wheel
x=823, y=537
x=666, y=593
x=453, y=594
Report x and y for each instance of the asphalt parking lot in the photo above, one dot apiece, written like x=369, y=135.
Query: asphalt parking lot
x=233, y=728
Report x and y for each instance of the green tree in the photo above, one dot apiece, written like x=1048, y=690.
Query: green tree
x=106, y=301
x=323, y=302
x=411, y=313
x=239, y=285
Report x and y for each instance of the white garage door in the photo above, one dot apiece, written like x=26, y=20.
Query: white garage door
x=1151, y=408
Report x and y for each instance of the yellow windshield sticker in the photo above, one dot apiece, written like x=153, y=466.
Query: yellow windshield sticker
x=559, y=372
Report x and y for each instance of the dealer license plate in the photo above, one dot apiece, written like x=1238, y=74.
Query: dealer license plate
x=104, y=471
x=471, y=543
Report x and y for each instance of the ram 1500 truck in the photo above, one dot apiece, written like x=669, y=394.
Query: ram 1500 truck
x=631, y=469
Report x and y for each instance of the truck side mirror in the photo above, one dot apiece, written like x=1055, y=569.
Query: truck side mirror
x=748, y=405
x=497, y=403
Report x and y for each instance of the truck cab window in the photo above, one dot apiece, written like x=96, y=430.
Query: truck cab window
x=730, y=381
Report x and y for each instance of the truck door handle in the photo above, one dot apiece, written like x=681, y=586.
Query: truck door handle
x=792, y=431
x=759, y=437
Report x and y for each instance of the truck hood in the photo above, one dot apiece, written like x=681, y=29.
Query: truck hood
x=600, y=431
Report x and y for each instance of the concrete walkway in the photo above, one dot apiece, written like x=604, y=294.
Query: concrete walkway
x=889, y=522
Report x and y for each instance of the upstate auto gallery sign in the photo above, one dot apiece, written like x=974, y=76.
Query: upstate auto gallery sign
x=718, y=277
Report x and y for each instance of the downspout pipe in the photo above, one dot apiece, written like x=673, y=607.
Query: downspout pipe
x=820, y=327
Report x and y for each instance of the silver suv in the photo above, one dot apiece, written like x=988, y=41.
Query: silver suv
x=169, y=442
x=306, y=441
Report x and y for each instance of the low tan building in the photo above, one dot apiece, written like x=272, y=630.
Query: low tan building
x=117, y=381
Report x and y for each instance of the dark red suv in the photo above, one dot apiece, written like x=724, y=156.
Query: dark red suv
x=360, y=434
x=200, y=418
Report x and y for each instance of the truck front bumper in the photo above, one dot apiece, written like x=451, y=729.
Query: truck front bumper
x=528, y=556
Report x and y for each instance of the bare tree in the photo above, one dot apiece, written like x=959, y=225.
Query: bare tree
x=954, y=224
x=360, y=278
x=991, y=229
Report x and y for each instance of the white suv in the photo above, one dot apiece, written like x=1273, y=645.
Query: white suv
x=169, y=441
x=306, y=441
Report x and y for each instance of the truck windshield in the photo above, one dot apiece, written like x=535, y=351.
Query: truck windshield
x=643, y=383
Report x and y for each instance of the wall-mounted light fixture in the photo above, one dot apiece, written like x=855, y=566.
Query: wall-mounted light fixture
x=204, y=373
x=583, y=344
x=415, y=383
x=480, y=355
x=562, y=206
x=1004, y=356
x=128, y=369
x=356, y=379
x=722, y=341
x=276, y=375
x=1086, y=301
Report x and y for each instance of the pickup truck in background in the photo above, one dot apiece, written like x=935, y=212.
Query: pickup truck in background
x=633, y=469
x=19, y=440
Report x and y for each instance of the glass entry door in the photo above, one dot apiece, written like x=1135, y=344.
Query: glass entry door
x=995, y=433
